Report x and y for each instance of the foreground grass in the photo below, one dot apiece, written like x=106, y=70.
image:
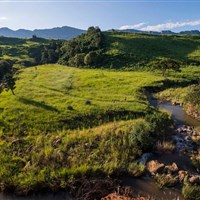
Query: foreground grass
x=54, y=97
x=55, y=160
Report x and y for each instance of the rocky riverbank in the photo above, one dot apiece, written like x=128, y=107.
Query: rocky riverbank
x=192, y=111
x=170, y=174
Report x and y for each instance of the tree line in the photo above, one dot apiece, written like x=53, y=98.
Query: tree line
x=85, y=50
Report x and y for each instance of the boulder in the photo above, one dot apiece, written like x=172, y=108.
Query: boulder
x=182, y=174
x=154, y=167
x=194, y=179
x=172, y=168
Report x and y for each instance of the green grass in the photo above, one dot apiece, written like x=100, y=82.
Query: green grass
x=54, y=160
x=43, y=96
x=130, y=50
x=18, y=49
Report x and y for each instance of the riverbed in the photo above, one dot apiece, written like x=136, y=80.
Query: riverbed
x=145, y=186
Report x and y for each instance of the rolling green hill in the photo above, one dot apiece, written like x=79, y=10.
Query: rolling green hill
x=94, y=49
x=53, y=97
x=131, y=50
x=21, y=51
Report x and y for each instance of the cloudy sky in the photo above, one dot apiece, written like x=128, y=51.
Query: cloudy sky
x=150, y=15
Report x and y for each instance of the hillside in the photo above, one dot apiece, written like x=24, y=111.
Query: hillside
x=23, y=52
x=64, y=32
x=96, y=49
x=54, y=97
x=131, y=50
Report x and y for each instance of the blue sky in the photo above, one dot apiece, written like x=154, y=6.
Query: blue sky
x=145, y=15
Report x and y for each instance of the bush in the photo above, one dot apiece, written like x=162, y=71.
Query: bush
x=193, y=95
x=136, y=169
x=166, y=180
x=70, y=108
x=87, y=102
x=161, y=124
x=196, y=161
x=191, y=192
x=143, y=137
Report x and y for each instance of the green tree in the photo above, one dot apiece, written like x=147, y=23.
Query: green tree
x=165, y=64
x=91, y=41
x=90, y=58
x=77, y=60
x=9, y=83
x=7, y=76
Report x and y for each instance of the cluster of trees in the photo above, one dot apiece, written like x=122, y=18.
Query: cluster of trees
x=44, y=54
x=84, y=50
x=7, y=76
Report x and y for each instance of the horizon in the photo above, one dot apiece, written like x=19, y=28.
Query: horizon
x=149, y=15
x=97, y=26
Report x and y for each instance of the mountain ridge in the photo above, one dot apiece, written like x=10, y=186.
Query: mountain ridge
x=64, y=32
x=67, y=32
x=189, y=32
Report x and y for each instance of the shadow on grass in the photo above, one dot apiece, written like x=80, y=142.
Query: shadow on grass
x=37, y=104
x=53, y=89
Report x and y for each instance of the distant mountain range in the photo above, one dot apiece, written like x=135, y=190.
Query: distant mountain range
x=64, y=32
x=192, y=32
x=67, y=32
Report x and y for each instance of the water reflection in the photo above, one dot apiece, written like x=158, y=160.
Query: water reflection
x=177, y=112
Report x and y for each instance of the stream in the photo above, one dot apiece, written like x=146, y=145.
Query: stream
x=145, y=185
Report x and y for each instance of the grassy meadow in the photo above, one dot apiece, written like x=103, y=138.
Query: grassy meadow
x=53, y=97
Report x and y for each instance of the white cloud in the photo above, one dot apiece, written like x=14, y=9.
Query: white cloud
x=135, y=26
x=3, y=18
x=170, y=25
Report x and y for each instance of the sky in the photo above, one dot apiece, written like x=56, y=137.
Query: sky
x=149, y=15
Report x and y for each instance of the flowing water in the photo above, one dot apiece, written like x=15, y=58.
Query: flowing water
x=177, y=112
x=145, y=185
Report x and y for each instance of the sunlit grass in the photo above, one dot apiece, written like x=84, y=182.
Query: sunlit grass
x=44, y=94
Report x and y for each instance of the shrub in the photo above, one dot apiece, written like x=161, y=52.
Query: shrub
x=196, y=161
x=193, y=95
x=142, y=136
x=87, y=102
x=70, y=108
x=161, y=124
x=191, y=192
x=164, y=180
x=136, y=169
